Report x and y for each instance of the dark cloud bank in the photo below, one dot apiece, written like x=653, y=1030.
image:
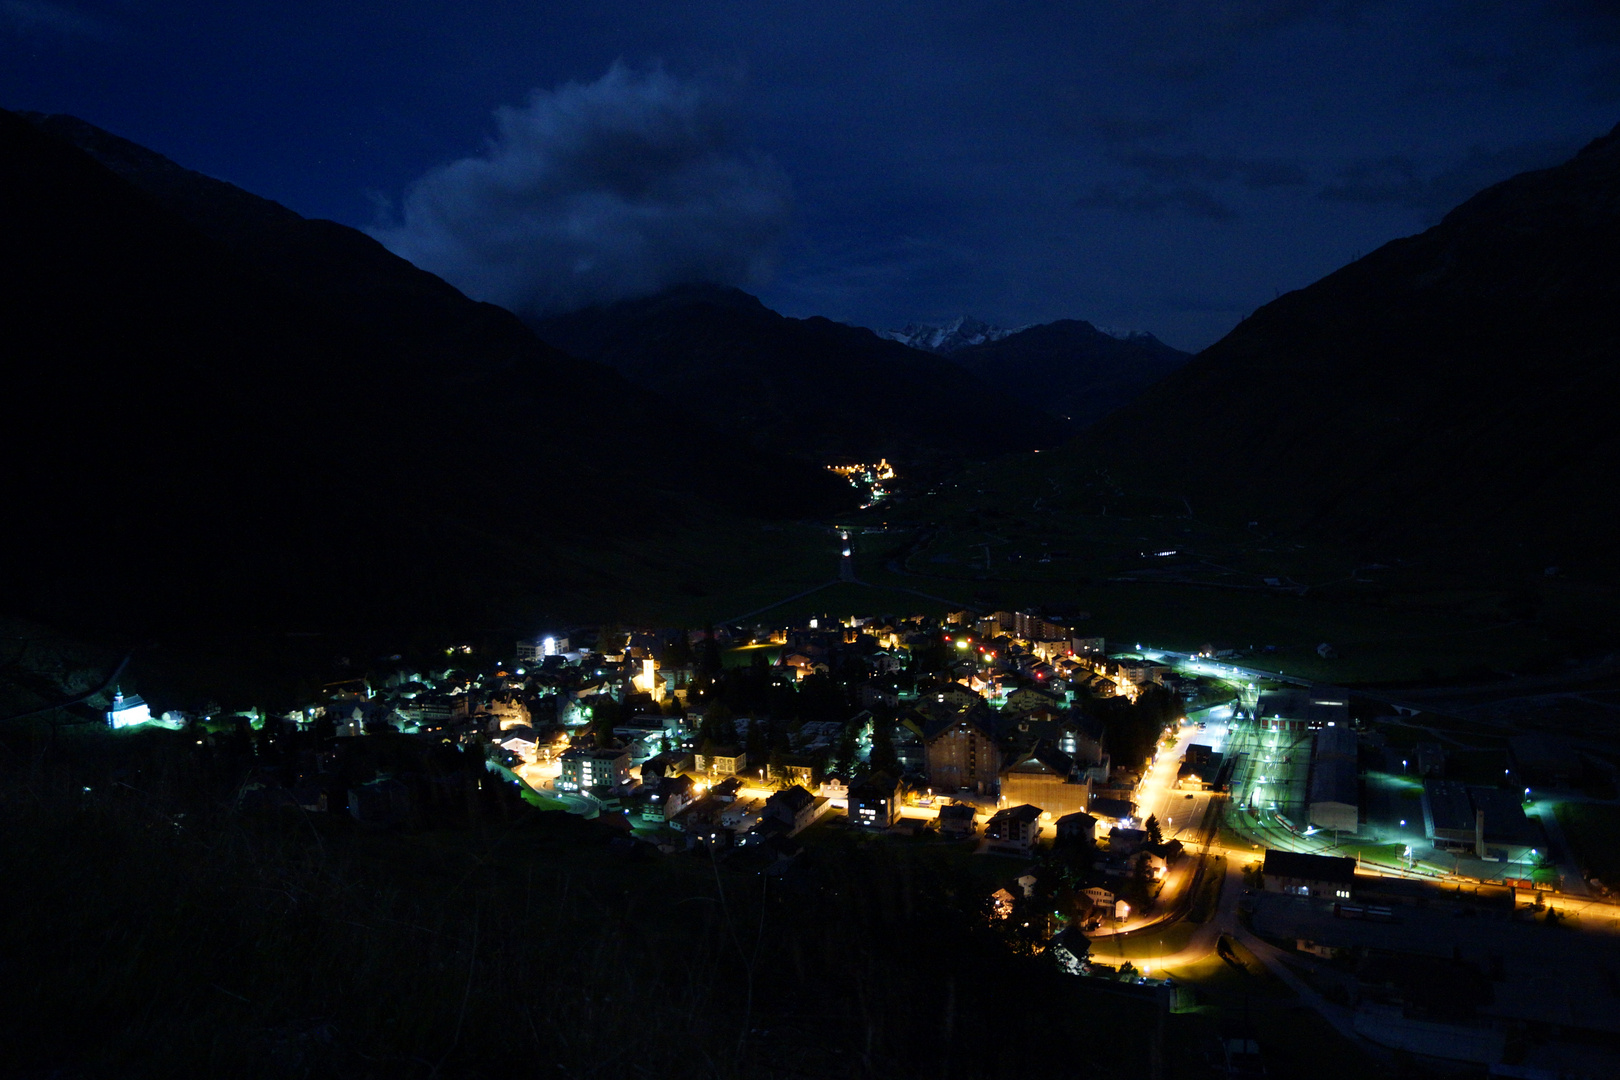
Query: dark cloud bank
x=597, y=192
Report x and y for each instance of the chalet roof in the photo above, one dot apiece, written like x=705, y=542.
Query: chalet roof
x=942, y=717
x=955, y=811
x=1025, y=814
x=675, y=785
x=771, y=826
x=1071, y=939
x=1038, y=691
x=793, y=799
x=1293, y=864
x=1089, y=726
x=877, y=784
x=595, y=753
x=668, y=760
x=1112, y=808
x=1169, y=850
x=1053, y=758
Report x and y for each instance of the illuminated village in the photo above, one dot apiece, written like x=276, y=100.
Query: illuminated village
x=1144, y=812
x=869, y=480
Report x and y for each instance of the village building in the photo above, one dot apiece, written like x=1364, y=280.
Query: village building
x=1335, y=795
x=1112, y=811
x=721, y=760
x=1015, y=827
x=1045, y=777
x=669, y=796
x=127, y=711
x=588, y=768
x=1322, y=876
x=1483, y=821
x=794, y=807
x=962, y=753
x=1200, y=768
x=1076, y=828
x=1298, y=711
x=874, y=803
x=669, y=763
x=956, y=820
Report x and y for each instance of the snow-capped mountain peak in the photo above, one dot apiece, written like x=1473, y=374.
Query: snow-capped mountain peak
x=1122, y=334
x=959, y=333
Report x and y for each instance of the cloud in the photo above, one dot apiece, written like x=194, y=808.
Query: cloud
x=1155, y=200
x=35, y=16
x=1194, y=166
x=1186, y=182
x=598, y=192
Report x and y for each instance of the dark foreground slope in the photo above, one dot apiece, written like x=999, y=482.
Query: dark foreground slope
x=150, y=932
x=1070, y=368
x=246, y=419
x=1452, y=394
x=810, y=387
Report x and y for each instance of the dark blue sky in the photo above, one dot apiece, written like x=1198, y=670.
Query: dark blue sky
x=1164, y=164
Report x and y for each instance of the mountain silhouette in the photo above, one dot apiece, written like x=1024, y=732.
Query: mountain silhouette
x=1452, y=394
x=222, y=416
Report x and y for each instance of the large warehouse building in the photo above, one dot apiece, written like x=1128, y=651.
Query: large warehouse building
x=1335, y=793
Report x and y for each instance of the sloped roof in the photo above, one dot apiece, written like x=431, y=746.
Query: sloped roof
x=1293, y=864
x=1025, y=813
x=879, y=783
x=942, y=717
x=793, y=799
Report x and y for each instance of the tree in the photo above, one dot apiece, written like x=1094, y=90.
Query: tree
x=604, y=716
x=1139, y=888
x=756, y=744
x=718, y=727
x=820, y=698
x=1154, y=833
x=680, y=651
x=325, y=728
x=847, y=756
x=709, y=662
x=883, y=758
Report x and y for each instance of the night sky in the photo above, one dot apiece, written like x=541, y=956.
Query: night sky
x=1159, y=165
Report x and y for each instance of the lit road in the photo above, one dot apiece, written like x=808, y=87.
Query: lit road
x=1157, y=794
x=1179, y=813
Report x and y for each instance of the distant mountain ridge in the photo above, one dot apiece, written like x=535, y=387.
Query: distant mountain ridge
x=965, y=331
x=1072, y=368
x=946, y=338
x=812, y=387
